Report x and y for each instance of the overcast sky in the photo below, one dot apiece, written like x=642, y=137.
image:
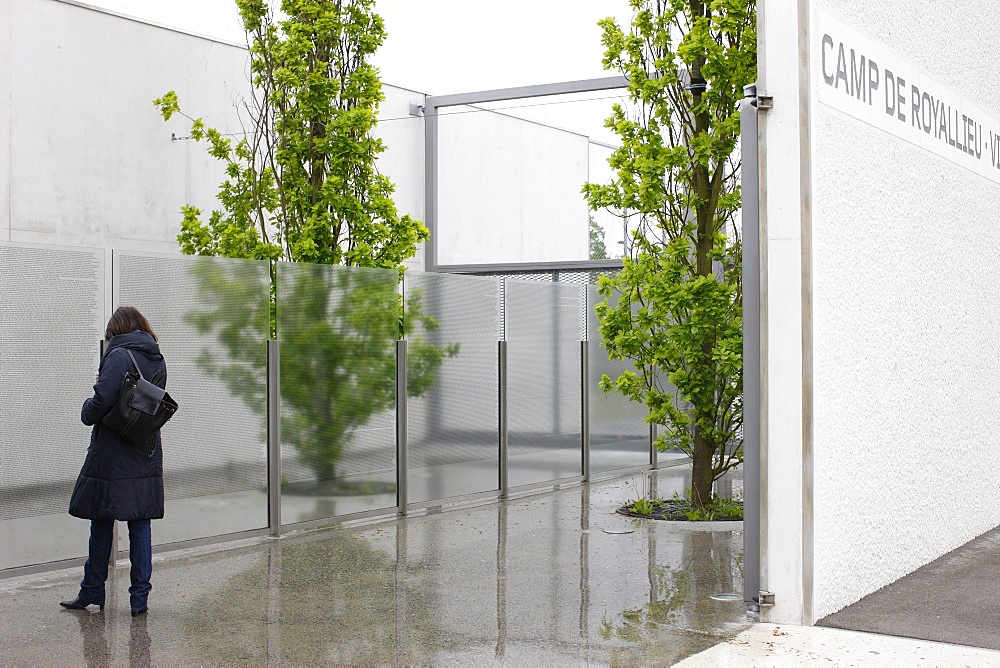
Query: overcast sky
x=443, y=46
x=453, y=46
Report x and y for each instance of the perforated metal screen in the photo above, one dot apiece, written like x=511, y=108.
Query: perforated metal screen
x=542, y=330
x=51, y=320
x=454, y=419
x=338, y=328
x=618, y=436
x=211, y=318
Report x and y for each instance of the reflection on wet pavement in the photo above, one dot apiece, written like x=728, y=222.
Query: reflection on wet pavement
x=532, y=581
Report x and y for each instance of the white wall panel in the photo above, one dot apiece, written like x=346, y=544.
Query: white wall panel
x=509, y=190
x=878, y=452
x=91, y=161
x=907, y=358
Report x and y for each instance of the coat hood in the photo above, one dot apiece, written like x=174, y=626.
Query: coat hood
x=137, y=340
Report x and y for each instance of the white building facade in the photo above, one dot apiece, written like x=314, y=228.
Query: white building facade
x=880, y=203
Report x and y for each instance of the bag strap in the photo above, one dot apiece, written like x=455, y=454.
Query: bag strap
x=134, y=363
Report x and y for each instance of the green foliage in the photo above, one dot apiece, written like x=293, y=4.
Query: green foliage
x=717, y=509
x=678, y=508
x=678, y=313
x=598, y=251
x=338, y=331
x=642, y=506
x=302, y=185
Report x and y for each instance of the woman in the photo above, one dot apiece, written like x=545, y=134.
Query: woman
x=120, y=480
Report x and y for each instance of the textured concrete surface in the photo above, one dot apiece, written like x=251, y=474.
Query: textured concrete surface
x=773, y=645
x=906, y=373
x=905, y=370
x=533, y=581
x=886, y=256
x=954, y=599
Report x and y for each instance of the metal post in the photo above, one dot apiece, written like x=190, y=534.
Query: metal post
x=652, y=446
x=402, y=462
x=430, y=183
x=750, y=187
x=502, y=368
x=274, y=437
x=585, y=407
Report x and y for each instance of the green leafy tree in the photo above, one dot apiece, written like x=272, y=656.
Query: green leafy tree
x=679, y=312
x=302, y=185
x=341, y=368
x=598, y=251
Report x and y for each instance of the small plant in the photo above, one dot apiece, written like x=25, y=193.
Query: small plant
x=716, y=509
x=729, y=507
x=681, y=508
x=641, y=506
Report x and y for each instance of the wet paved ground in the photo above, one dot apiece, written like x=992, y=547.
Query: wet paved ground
x=954, y=599
x=533, y=581
x=792, y=646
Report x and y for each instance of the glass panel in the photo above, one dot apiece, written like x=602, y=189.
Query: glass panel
x=509, y=190
x=542, y=328
x=52, y=310
x=338, y=328
x=453, y=409
x=618, y=436
x=211, y=318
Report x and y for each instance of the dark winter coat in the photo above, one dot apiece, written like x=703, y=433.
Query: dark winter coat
x=118, y=480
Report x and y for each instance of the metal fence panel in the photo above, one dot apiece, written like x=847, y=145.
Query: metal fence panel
x=618, y=436
x=542, y=330
x=338, y=328
x=452, y=411
x=52, y=314
x=211, y=316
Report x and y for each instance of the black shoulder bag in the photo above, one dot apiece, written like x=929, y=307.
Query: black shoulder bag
x=142, y=407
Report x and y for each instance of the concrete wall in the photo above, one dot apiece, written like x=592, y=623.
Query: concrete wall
x=85, y=157
x=91, y=161
x=881, y=307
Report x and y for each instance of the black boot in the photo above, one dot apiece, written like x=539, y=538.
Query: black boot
x=77, y=604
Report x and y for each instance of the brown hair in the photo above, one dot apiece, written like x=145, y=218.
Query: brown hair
x=127, y=319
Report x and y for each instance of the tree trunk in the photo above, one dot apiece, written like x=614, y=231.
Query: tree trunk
x=701, y=471
x=704, y=211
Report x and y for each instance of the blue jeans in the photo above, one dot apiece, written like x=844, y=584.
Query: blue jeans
x=140, y=552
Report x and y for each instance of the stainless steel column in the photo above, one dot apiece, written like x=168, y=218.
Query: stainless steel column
x=652, y=446
x=585, y=407
x=274, y=438
x=402, y=462
x=502, y=368
x=751, y=348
